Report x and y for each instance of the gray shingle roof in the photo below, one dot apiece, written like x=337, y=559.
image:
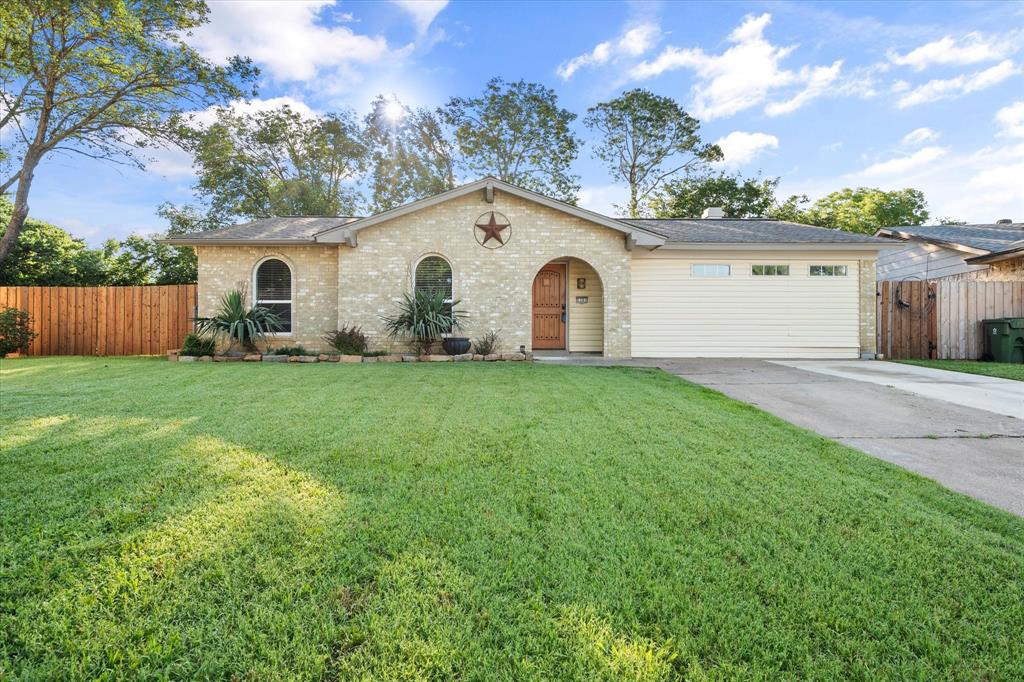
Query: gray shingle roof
x=299, y=228
x=988, y=237
x=747, y=231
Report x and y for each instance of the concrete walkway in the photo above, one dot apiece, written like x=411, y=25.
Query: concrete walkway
x=931, y=427
x=992, y=394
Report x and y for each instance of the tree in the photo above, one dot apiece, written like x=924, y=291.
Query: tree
x=739, y=197
x=46, y=255
x=867, y=209
x=278, y=162
x=410, y=156
x=517, y=133
x=104, y=79
x=646, y=138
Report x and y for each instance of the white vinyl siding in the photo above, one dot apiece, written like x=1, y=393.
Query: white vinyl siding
x=923, y=261
x=586, y=320
x=797, y=316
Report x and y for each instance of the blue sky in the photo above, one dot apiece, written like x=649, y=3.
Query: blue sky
x=825, y=95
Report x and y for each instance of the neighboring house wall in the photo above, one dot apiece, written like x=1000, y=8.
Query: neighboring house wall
x=1003, y=271
x=920, y=260
x=676, y=313
x=314, y=285
x=494, y=285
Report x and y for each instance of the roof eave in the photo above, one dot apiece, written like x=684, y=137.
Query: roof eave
x=997, y=256
x=184, y=241
x=910, y=236
x=781, y=246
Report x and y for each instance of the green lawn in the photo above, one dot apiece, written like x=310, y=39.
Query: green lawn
x=473, y=521
x=1003, y=370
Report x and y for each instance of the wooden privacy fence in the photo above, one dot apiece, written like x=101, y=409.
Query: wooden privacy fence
x=941, y=319
x=145, y=320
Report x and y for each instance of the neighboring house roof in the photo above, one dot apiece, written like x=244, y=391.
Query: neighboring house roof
x=644, y=232
x=747, y=231
x=981, y=239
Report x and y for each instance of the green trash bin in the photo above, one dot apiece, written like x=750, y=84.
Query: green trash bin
x=1004, y=339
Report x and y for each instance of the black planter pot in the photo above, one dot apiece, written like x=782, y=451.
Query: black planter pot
x=455, y=345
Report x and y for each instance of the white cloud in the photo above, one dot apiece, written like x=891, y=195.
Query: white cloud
x=818, y=80
x=604, y=199
x=971, y=49
x=902, y=164
x=423, y=12
x=285, y=39
x=740, y=148
x=919, y=136
x=633, y=42
x=743, y=75
x=1011, y=120
x=950, y=88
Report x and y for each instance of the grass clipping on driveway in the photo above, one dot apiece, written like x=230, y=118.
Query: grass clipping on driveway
x=477, y=521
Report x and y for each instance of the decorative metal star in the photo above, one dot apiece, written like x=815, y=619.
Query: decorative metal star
x=492, y=230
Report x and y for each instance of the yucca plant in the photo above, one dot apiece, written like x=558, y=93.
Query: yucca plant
x=424, y=317
x=239, y=322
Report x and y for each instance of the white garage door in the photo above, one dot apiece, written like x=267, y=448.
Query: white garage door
x=717, y=307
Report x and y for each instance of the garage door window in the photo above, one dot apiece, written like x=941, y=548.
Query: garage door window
x=828, y=271
x=711, y=270
x=770, y=270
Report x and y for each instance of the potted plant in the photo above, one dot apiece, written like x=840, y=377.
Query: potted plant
x=239, y=322
x=424, y=317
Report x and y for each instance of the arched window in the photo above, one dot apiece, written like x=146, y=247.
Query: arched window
x=434, y=274
x=274, y=290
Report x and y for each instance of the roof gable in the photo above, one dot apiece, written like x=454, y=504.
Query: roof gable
x=347, y=233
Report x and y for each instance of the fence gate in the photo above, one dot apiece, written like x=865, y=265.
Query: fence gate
x=145, y=320
x=907, y=319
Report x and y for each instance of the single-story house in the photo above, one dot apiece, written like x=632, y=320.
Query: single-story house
x=985, y=252
x=552, y=276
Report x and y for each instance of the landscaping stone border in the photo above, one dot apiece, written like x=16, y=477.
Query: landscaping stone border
x=175, y=356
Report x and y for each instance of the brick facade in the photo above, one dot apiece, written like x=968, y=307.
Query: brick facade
x=868, y=308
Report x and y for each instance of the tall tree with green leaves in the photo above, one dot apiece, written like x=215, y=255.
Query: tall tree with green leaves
x=46, y=255
x=866, y=209
x=739, y=197
x=278, y=162
x=518, y=133
x=411, y=156
x=646, y=138
x=100, y=78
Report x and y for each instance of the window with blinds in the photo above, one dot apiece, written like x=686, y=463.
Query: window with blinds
x=434, y=274
x=274, y=290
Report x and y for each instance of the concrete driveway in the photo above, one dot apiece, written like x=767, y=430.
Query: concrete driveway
x=914, y=421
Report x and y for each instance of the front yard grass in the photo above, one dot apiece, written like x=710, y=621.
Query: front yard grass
x=472, y=521
x=1003, y=370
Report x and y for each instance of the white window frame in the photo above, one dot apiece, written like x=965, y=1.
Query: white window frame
x=770, y=265
x=291, y=288
x=416, y=265
x=834, y=266
x=695, y=270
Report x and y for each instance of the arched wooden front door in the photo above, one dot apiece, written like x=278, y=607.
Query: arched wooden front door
x=549, y=308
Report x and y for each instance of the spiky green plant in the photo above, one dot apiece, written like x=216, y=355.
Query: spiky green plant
x=239, y=322
x=424, y=317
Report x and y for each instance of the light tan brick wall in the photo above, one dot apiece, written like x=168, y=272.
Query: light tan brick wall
x=314, y=284
x=1005, y=271
x=868, y=307
x=494, y=285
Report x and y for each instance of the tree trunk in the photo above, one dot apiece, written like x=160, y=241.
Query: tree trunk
x=634, y=205
x=20, y=212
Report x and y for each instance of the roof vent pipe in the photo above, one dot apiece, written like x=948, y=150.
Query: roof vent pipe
x=713, y=212
x=1004, y=221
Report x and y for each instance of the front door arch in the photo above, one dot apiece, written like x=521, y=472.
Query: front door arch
x=549, y=307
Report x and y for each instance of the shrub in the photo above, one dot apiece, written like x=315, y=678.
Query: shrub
x=423, y=318
x=240, y=323
x=15, y=331
x=487, y=344
x=198, y=345
x=347, y=340
x=290, y=350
